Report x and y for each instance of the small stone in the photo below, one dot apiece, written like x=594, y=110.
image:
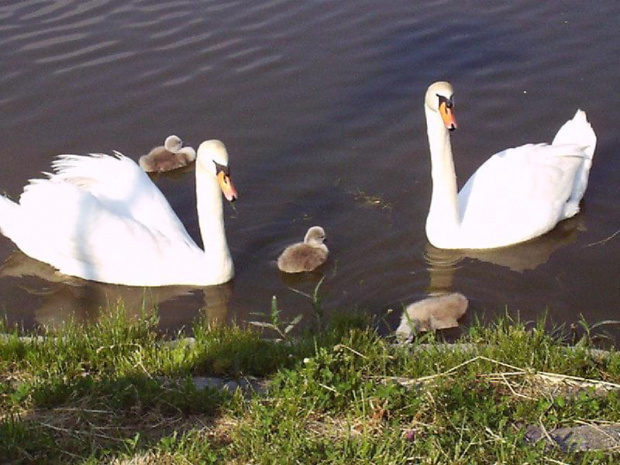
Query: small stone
x=204, y=382
x=578, y=438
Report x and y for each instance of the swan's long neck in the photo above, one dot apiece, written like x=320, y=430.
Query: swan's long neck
x=443, y=216
x=211, y=220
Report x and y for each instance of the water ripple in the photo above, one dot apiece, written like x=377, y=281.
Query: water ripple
x=54, y=41
x=187, y=40
x=77, y=9
x=111, y=58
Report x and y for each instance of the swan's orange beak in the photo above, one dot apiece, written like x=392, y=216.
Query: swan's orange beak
x=446, y=110
x=227, y=187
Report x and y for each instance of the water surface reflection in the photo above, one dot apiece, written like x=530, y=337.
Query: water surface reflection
x=63, y=298
x=443, y=263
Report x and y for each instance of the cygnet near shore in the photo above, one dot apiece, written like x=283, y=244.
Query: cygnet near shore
x=432, y=313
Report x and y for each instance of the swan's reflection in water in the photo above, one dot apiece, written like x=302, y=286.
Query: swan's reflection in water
x=64, y=298
x=486, y=286
x=61, y=298
x=308, y=280
x=443, y=264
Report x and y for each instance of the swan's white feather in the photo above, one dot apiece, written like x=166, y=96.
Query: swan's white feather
x=578, y=130
x=519, y=193
x=120, y=185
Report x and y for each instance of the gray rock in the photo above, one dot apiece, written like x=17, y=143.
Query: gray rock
x=204, y=382
x=578, y=438
x=247, y=385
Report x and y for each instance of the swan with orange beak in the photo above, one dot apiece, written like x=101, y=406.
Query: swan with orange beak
x=516, y=195
x=100, y=217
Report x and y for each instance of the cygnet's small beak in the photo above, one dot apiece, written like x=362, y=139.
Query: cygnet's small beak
x=228, y=189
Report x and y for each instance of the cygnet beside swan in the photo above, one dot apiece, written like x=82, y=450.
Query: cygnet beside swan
x=307, y=255
x=432, y=313
x=101, y=218
x=170, y=156
x=516, y=195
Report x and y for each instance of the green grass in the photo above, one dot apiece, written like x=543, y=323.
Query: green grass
x=118, y=391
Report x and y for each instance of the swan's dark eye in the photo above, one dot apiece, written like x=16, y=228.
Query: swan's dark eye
x=449, y=101
x=222, y=168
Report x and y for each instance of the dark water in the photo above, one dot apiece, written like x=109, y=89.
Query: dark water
x=320, y=105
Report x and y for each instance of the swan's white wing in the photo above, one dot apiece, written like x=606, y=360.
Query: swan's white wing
x=121, y=186
x=520, y=192
x=85, y=237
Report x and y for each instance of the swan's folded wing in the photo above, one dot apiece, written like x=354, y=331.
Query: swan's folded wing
x=119, y=184
x=83, y=237
x=531, y=183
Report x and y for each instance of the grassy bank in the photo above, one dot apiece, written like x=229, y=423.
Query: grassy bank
x=117, y=392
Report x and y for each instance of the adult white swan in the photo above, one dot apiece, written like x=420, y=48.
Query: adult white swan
x=516, y=195
x=101, y=218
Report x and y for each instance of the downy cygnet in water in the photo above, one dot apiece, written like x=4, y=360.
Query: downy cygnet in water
x=170, y=156
x=307, y=255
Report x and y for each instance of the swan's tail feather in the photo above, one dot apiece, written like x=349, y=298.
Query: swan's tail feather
x=578, y=131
